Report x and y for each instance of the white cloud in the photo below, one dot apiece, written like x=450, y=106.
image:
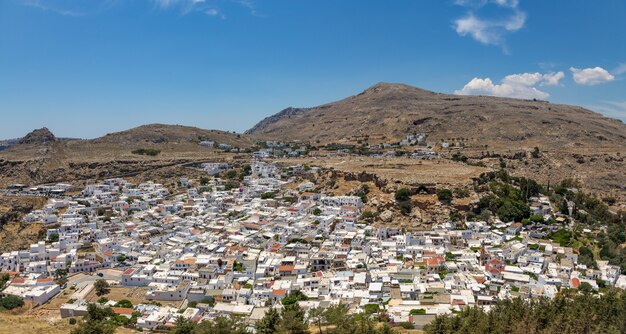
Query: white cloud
x=214, y=12
x=482, y=3
x=478, y=29
x=191, y=6
x=621, y=69
x=490, y=31
x=552, y=79
x=53, y=8
x=507, y=3
x=591, y=76
x=184, y=7
x=520, y=86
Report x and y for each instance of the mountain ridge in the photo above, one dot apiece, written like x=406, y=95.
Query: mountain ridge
x=573, y=142
x=384, y=102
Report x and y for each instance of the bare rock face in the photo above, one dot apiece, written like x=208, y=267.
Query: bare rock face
x=38, y=137
x=386, y=216
x=416, y=213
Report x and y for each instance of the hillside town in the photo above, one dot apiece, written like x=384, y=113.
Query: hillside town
x=210, y=247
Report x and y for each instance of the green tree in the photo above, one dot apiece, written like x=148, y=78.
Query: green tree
x=125, y=303
x=183, y=326
x=293, y=320
x=336, y=314
x=101, y=286
x=269, y=323
x=317, y=315
x=97, y=313
x=567, y=313
x=10, y=302
x=294, y=297
x=221, y=325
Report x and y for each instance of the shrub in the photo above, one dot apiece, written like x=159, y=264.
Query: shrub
x=10, y=302
x=294, y=297
x=535, y=153
x=72, y=321
x=405, y=207
x=461, y=193
x=146, y=151
x=403, y=194
x=124, y=303
x=444, y=195
x=609, y=200
x=371, y=308
x=406, y=325
x=267, y=195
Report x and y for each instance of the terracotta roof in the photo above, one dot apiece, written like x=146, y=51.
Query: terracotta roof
x=191, y=260
x=493, y=270
x=128, y=271
x=18, y=280
x=279, y=292
x=495, y=262
x=122, y=310
x=575, y=282
x=434, y=261
x=286, y=268
x=44, y=280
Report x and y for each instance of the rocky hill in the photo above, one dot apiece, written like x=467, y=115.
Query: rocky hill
x=163, y=133
x=574, y=142
x=39, y=159
x=38, y=137
x=571, y=142
x=388, y=112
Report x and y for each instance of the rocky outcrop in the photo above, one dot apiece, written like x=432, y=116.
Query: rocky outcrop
x=268, y=121
x=38, y=137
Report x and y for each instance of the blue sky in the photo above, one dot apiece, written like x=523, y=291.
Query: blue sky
x=86, y=68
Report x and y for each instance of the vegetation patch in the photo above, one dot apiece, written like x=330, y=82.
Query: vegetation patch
x=146, y=151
